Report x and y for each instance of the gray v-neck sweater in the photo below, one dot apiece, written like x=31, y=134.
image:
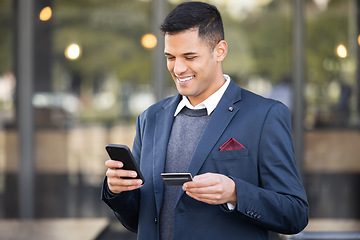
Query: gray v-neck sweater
x=186, y=131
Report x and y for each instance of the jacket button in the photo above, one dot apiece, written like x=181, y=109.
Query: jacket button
x=155, y=220
x=231, y=109
x=249, y=212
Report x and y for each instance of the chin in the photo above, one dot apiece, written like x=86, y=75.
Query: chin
x=182, y=92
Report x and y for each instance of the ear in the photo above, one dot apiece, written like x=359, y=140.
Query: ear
x=221, y=50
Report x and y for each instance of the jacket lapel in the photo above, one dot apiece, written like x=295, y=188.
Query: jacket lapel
x=218, y=122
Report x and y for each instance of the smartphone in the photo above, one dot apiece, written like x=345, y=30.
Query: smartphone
x=176, y=179
x=122, y=153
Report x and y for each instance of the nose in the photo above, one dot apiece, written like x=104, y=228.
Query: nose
x=179, y=67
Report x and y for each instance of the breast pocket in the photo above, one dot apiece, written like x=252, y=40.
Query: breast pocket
x=234, y=163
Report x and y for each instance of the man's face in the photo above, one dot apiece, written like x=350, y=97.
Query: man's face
x=195, y=67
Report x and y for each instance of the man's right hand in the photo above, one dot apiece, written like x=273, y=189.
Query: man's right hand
x=115, y=180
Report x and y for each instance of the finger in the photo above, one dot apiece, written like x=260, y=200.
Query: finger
x=118, y=190
x=114, y=164
x=213, y=195
x=120, y=173
x=209, y=190
x=120, y=182
x=207, y=198
x=119, y=185
x=201, y=182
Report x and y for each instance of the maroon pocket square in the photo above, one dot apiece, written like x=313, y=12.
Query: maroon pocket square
x=231, y=144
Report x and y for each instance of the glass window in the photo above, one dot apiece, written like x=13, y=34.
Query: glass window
x=332, y=111
x=93, y=74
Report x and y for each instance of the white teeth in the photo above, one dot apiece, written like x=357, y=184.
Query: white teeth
x=185, y=79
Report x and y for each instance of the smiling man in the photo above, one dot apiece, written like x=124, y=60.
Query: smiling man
x=236, y=144
x=194, y=66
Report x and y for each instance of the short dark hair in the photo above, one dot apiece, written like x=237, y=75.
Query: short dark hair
x=199, y=15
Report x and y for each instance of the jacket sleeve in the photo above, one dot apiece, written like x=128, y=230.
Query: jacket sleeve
x=279, y=203
x=126, y=204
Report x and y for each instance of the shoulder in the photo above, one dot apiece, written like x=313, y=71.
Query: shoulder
x=259, y=103
x=250, y=101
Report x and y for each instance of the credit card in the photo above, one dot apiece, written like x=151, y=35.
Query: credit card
x=176, y=179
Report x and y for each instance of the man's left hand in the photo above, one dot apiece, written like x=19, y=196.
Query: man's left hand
x=212, y=188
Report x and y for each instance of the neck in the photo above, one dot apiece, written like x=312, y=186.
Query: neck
x=216, y=86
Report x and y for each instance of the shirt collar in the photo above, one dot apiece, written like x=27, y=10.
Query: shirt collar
x=210, y=103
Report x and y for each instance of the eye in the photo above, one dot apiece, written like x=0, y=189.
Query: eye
x=170, y=58
x=190, y=58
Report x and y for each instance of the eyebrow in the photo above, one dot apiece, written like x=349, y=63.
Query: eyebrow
x=185, y=54
x=189, y=53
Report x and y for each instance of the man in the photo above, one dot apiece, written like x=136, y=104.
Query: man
x=236, y=144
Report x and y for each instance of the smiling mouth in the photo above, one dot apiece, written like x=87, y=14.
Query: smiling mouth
x=184, y=79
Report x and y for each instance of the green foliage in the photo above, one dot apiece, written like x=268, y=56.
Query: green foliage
x=109, y=34
x=260, y=44
x=324, y=31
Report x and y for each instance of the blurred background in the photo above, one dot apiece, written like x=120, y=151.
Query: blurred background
x=74, y=75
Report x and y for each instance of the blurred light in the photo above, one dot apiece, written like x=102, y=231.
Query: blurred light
x=73, y=51
x=259, y=85
x=359, y=39
x=141, y=101
x=334, y=91
x=104, y=100
x=149, y=41
x=45, y=14
x=341, y=51
x=65, y=101
x=322, y=4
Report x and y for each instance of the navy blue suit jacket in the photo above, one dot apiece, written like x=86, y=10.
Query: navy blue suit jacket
x=270, y=195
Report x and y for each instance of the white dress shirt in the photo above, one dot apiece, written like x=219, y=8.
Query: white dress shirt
x=210, y=103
